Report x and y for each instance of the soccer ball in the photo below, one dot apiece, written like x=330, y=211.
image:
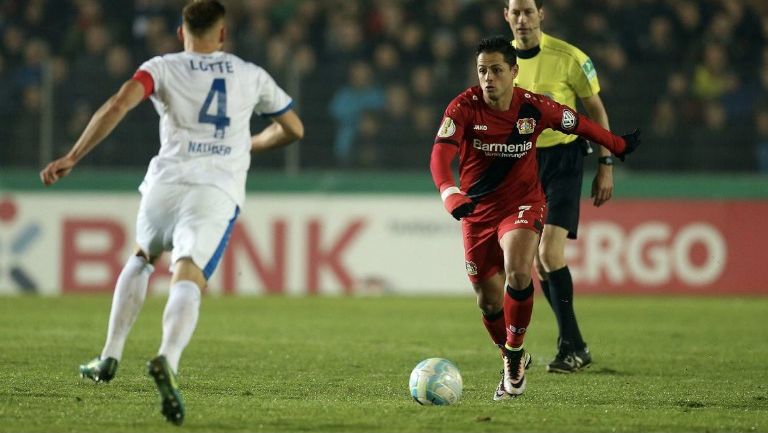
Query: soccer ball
x=436, y=381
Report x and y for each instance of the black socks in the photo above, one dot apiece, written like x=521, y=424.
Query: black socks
x=559, y=292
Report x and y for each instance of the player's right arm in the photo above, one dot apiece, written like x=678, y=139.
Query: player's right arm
x=455, y=201
x=285, y=129
x=103, y=121
x=444, y=151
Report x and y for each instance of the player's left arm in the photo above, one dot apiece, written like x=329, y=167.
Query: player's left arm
x=103, y=121
x=284, y=130
x=565, y=119
x=602, y=184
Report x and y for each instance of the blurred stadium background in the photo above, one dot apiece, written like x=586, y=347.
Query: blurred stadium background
x=351, y=208
x=371, y=78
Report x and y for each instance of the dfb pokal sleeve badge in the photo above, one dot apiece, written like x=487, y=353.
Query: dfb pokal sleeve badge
x=447, y=128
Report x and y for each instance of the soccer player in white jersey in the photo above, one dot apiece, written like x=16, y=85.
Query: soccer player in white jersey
x=194, y=187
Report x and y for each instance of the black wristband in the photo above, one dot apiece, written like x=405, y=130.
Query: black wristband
x=605, y=160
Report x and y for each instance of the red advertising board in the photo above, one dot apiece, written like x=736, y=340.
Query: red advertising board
x=671, y=246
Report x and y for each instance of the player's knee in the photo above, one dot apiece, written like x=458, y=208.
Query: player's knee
x=518, y=280
x=140, y=253
x=550, y=259
x=488, y=306
x=186, y=269
x=490, y=297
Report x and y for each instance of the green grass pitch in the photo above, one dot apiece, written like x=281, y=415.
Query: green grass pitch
x=671, y=364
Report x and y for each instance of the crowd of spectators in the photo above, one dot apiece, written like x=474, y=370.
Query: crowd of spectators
x=372, y=77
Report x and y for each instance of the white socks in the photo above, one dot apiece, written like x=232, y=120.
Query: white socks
x=179, y=317
x=130, y=291
x=179, y=320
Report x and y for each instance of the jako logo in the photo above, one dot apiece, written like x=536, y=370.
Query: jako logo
x=481, y=127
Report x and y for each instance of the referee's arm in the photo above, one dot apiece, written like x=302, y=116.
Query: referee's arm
x=596, y=111
x=602, y=186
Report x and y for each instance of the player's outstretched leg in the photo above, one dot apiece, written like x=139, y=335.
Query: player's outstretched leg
x=167, y=386
x=130, y=291
x=99, y=369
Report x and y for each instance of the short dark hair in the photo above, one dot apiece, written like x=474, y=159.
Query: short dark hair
x=539, y=3
x=498, y=44
x=200, y=15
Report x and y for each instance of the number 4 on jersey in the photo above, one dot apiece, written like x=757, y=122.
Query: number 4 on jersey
x=220, y=119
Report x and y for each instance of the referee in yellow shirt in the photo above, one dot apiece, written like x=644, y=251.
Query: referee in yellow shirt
x=552, y=67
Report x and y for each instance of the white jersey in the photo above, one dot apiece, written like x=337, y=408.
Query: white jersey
x=205, y=103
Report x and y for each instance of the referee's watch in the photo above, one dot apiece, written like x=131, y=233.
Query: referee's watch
x=605, y=160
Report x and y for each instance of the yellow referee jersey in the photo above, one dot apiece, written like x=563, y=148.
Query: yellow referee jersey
x=560, y=71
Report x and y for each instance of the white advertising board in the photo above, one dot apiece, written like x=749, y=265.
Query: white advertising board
x=293, y=244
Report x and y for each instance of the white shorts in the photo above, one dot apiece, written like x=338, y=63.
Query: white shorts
x=191, y=221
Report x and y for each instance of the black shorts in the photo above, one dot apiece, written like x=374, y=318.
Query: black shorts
x=561, y=169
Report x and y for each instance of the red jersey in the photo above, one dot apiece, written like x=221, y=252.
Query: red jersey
x=497, y=149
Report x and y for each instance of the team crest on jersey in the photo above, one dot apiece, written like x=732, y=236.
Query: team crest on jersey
x=526, y=126
x=447, y=128
x=471, y=268
x=569, y=120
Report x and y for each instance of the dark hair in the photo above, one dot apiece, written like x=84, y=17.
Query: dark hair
x=539, y=3
x=200, y=15
x=498, y=44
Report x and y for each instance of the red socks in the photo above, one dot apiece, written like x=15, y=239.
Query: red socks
x=518, y=306
x=496, y=327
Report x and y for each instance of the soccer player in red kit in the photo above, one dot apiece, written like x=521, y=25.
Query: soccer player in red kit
x=493, y=129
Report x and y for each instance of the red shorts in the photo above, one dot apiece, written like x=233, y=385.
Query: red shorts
x=482, y=252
